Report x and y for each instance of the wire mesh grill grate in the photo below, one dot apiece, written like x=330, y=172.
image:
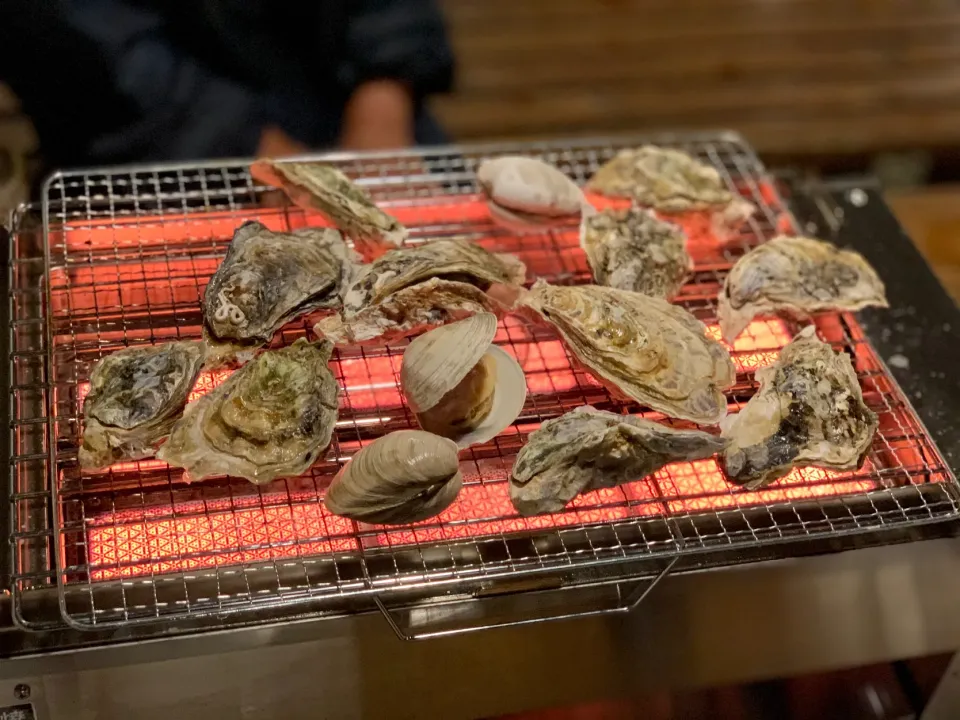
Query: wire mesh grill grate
x=128, y=254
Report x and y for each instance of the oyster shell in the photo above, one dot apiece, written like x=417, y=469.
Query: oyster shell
x=266, y=279
x=408, y=312
x=459, y=384
x=458, y=260
x=796, y=274
x=272, y=418
x=136, y=395
x=403, y=477
x=317, y=186
x=634, y=250
x=589, y=449
x=643, y=347
x=809, y=411
x=672, y=182
x=523, y=193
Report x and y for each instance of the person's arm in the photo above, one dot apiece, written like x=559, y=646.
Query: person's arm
x=397, y=53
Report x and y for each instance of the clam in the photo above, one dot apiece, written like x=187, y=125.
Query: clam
x=459, y=384
x=527, y=194
x=403, y=477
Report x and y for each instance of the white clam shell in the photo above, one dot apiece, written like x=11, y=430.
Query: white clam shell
x=403, y=477
x=436, y=362
x=524, y=192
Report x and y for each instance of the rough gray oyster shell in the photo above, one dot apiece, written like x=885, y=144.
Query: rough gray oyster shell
x=526, y=194
x=809, y=411
x=136, y=395
x=266, y=279
x=317, y=186
x=634, y=250
x=272, y=418
x=639, y=346
x=589, y=449
x=798, y=275
x=403, y=477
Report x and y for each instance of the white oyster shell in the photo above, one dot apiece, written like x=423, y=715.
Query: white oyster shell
x=589, y=449
x=136, y=395
x=403, y=477
x=809, y=411
x=798, y=275
x=270, y=419
x=524, y=193
x=641, y=347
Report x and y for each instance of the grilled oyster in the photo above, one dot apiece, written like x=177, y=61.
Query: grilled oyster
x=459, y=384
x=809, y=411
x=272, y=418
x=527, y=194
x=799, y=275
x=633, y=250
x=266, y=279
x=645, y=348
x=408, y=312
x=672, y=182
x=589, y=449
x=403, y=477
x=316, y=186
x=135, y=397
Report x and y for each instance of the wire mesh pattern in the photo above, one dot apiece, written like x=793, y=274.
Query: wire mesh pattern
x=128, y=255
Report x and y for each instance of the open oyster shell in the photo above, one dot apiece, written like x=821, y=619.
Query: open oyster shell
x=639, y=346
x=634, y=250
x=527, y=194
x=317, y=186
x=266, y=279
x=798, y=275
x=408, y=312
x=459, y=384
x=589, y=449
x=672, y=183
x=809, y=411
x=403, y=477
x=136, y=395
x=272, y=418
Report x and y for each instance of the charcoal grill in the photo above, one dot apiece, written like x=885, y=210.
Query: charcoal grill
x=118, y=257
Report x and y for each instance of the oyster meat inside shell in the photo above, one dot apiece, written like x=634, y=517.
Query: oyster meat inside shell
x=639, y=346
x=634, y=250
x=797, y=275
x=317, y=186
x=523, y=193
x=268, y=278
x=403, y=477
x=271, y=419
x=459, y=384
x=589, y=449
x=135, y=396
x=809, y=411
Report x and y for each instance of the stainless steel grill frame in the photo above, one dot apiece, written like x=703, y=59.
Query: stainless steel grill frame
x=54, y=339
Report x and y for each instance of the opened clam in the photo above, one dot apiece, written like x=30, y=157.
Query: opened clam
x=524, y=193
x=459, y=384
x=403, y=477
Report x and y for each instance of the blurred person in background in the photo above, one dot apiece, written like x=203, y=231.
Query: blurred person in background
x=115, y=81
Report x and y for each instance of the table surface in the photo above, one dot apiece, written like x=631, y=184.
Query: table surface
x=931, y=217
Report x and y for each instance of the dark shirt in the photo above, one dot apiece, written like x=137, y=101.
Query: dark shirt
x=108, y=81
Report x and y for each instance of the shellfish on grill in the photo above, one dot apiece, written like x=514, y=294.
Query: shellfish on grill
x=809, y=411
x=797, y=275
x=266, y=279
x=589, y=449
x=639, y=346
x=459, y=384
x=671, y=182
x=634, y=250
x=319, y=186
x=135, y=396
x=403, y=477
x=526, y=194
x=270, y=419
